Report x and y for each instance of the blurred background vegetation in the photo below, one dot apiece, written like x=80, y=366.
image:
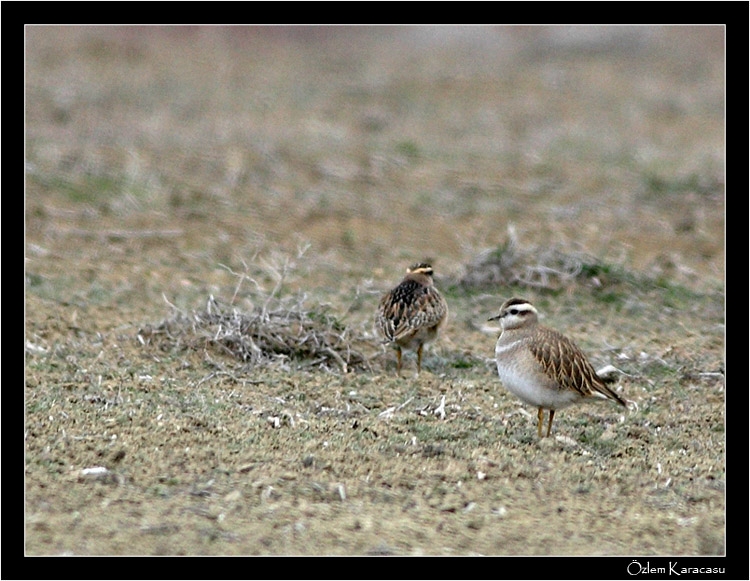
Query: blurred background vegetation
x=382, y=145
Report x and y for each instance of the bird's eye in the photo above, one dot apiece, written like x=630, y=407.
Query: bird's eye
x=514, y=311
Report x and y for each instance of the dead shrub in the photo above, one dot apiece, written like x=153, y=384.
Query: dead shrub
x=537, y=267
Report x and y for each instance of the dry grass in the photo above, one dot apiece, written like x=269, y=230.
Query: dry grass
x=213, y=213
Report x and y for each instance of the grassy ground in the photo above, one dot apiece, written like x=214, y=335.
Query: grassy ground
x=212, y=215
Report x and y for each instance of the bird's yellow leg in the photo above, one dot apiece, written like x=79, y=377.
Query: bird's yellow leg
x=539, y=422
x=549, y=426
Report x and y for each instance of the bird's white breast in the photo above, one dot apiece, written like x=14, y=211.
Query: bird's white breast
x=524, y=377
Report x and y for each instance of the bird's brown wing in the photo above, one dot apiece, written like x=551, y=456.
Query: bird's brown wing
x=554, y=350
x=408, y=308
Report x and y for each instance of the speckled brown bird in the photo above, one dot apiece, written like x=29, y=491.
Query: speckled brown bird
x=411, y=314
x=541, y=366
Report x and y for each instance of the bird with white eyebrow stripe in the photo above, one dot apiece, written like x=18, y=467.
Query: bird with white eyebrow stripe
x=411, y=314
x=541, y=366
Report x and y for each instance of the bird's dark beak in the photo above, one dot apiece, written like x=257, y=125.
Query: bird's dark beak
x=495, y=318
